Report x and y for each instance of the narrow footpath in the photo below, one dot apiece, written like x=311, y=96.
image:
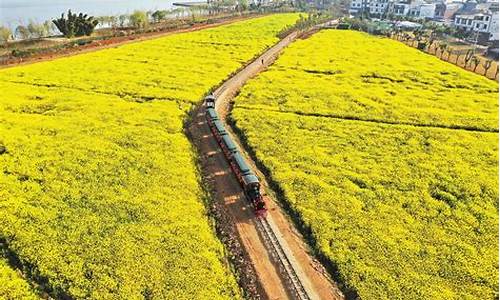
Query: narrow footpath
x=272, y=283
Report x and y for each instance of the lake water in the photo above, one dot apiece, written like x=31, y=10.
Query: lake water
x=15, y=12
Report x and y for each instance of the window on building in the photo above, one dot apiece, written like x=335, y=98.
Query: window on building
x=469, y=22
x=487, y=18
x=485, y=26
x=477, y=25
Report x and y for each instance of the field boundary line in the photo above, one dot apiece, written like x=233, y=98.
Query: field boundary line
x=356, y=119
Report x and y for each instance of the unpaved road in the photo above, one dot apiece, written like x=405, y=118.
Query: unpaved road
x=227, y=191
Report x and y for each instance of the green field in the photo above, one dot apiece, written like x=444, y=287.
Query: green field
x=402, y=211
x=100, y=195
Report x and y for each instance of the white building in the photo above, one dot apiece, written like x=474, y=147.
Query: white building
x=379, y=7
x=477, y=22
x=494, y=27
x=412, y=8
x=427, y=11
x=371, y=7
x=401, y=9
x=480, y=18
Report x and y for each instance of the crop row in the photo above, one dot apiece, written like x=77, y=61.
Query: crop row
x=346, y=75
x=400, y=211
x=13, y=285
x=100, y=197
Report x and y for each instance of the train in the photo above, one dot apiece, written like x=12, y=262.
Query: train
x=244, y=174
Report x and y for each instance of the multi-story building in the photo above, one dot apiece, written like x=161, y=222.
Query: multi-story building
x=479, y=18
x=380, y=7
x=451, y=9
x=401, y=9
x=412, y=8
x=494, y=27
x=473, y=21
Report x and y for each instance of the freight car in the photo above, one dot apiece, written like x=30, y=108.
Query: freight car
x=247, y=179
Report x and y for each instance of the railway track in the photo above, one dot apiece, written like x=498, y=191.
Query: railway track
x=293, y=273
x=277, y=252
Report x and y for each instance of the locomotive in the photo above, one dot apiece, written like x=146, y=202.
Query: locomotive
x=247, y=179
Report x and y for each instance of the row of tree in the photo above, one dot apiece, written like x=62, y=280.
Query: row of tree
x=430, y=43
x=31, y=31
x=429, y=38
x=81, y=24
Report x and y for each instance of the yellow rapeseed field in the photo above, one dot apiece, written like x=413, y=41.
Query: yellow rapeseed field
x=388, y=156
x=13, y=285
x=100, y=197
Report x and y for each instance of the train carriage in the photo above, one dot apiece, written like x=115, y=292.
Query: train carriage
x=228, y=146
x=247, y=179
x=210, y=101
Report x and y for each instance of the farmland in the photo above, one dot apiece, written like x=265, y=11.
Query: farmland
x=99, y=190
x=390, y=160
x=13, y=286
x=403, y=86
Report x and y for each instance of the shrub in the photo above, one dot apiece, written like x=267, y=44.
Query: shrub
x=75, y=25
x=139, y=19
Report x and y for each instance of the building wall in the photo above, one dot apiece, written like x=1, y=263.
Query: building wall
x=493, y=30
x=427, y=11
x=477, y=22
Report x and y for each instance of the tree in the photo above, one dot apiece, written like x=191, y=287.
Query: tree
x=487, y=65
x=22, y=32
x=49, y=27
x=139, y=19
x=5, y=35
x=75, y=25
x=476, y=61
x=37, y=30
x=431, y=44
x=442, y=49
x=458, y=57
x=242, y=5
x=159, y=15
x=468, y=56
x=122, y=19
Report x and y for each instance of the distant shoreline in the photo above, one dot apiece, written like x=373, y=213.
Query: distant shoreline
x=13, y=13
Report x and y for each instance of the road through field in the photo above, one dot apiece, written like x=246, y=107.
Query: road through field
x=226, y=190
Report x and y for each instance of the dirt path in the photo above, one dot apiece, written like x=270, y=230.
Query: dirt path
x=117, y=41
x=227, y=191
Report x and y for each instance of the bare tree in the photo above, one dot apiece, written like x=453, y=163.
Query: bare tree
x=432, y=43
x=487, y=65
x=458, y=57
x=442, y=49
x=476, y=61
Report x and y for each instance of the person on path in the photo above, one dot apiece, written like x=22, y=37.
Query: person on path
x=262, y=60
